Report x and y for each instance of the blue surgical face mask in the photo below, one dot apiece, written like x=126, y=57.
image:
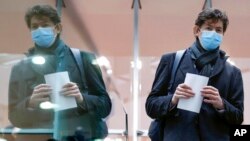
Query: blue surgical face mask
x=210, y=40
x=43, y=36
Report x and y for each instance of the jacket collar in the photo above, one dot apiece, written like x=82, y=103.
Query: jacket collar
x=219, y=64
x=50, y=55
x=185, y=66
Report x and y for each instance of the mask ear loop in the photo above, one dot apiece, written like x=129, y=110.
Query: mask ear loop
x=58, y=28
x=200, y=47
x=196, y=30
x=199, y=34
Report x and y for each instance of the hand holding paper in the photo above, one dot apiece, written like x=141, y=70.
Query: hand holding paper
x=57, y=81
x=196, y=82
x=212, y=96
x=182, y=91
x=41, y=93
x=71, y=90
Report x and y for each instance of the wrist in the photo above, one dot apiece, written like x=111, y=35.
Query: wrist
x=221, y=107
x=29, y=104
x=174, y=101
x=79, y=99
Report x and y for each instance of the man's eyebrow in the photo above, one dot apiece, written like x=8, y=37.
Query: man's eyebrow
x=211, y=24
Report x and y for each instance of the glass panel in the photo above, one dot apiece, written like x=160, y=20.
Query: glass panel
x=89, y=26
x=167, y=26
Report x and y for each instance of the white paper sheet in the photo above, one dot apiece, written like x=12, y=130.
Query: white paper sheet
x=196, y=82
x=56, y=81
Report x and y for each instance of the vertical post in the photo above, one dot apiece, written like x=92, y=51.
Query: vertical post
x=55, y=126
x=207, y=4
x=59, y=4
x=135, y=87
x=126, y=127
x=56, y=134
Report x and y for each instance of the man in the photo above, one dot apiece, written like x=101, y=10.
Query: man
x=223, y=96
x=28, y=89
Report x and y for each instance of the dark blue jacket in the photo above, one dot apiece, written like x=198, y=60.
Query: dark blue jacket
x=210, y=124
x=88, y=116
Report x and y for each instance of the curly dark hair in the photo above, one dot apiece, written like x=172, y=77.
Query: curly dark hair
x=42, y=10
x=215, y=15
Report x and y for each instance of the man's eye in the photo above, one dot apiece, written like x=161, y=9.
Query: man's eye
x=34, y=27
x=219, y=30
x=45, y=25
x=209, y=28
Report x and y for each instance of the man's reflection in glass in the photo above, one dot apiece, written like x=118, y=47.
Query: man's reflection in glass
x=30, y=104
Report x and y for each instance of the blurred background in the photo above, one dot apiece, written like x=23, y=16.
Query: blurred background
x=129, y=60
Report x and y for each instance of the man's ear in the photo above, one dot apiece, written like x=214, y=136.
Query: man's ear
x=196, y=31
x=58, y=28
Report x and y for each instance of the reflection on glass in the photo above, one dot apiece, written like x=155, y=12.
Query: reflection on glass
x=57, y=89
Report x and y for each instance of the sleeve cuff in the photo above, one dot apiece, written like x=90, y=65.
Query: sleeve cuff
x=171, y=106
